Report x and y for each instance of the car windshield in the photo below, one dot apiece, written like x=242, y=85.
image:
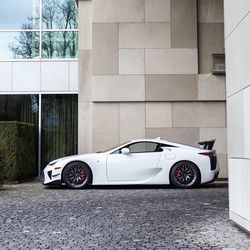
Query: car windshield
x=104, y=151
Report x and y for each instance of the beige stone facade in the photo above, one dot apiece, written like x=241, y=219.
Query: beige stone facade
x=145, y=70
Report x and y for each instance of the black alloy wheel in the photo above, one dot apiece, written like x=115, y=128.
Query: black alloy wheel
x=76, y=175
x=184, y=174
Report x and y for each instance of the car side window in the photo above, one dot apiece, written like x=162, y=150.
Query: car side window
x=144, y=147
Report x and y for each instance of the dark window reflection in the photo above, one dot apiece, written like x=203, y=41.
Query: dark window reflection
x=16, y=14
x=59, y=14
x=59, y=121
x=21, y=108
x=59, y=126
x=59, y=44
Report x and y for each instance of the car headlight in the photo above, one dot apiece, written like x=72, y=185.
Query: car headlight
x=52, y=163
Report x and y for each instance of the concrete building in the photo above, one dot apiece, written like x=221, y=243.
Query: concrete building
x=237, y=39
x=150, y=68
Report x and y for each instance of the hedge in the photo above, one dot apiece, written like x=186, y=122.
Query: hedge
x=2, y=160
x=18, y=150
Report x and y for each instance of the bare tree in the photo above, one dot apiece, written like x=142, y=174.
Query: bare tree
x=56, y=14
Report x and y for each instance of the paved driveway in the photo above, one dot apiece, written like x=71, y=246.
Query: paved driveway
x=36, y=217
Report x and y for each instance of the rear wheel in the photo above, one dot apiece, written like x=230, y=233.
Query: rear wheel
x=76, y=175
x=184, y=174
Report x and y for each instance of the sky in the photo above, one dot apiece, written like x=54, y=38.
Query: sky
x=13, y=13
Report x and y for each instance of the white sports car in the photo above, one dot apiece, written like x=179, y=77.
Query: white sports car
x=137, y=162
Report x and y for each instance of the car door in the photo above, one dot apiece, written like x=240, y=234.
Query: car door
x=139, y=164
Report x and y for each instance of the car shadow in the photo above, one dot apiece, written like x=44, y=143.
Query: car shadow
x=118, y=187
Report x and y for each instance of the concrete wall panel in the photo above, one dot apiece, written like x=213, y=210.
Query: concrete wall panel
x=73, y=76
x=234, y=14
x=171, y=61
x=144, y=35
x=223, y=164
x=105, y=126
x=26, y=76
x=211, y=11
x=131, y=61
x=183, y=24
x=202, y=114
x=157, y=11
x=118, y=88
x=235, y=120
x=105, y=49
x=239, y=201
x=5, y=76
x=52, y=78
x=189, y=136
x=171, y=87
x=131, y=121
x=85, y=128
x=211, y=87
x=238, y=59
x=85, y=25
x=113, y=11
x=211, y=41
x=158, y=115
x=220, y=134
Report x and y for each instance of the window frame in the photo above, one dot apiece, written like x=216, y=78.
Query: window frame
x=160, y=146
x=40, y=30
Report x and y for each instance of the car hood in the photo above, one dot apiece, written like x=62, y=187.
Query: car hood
x=78, y=157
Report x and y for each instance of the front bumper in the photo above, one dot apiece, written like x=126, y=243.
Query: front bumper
x=51, y=175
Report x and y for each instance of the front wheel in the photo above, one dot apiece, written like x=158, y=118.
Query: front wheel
x=184, y=174
x=76, y=175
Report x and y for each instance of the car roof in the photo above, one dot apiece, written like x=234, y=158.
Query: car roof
x=158, y=140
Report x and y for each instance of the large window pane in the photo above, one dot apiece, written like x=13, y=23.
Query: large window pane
x=59, y=14
x=59, y=126
x=23, y=111
x=21, y=108
x=19, y=45
x=16, y=14
x=60, y=44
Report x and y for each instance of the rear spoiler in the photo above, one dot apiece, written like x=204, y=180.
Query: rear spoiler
x=207, y=144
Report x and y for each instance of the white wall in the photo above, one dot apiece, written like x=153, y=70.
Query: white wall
x=237, y=40
x=39, y=76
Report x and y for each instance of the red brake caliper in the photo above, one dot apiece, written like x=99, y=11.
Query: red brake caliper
x=178, y=174
x=83, y=175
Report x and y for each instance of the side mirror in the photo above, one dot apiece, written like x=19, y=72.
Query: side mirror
x=125, y=151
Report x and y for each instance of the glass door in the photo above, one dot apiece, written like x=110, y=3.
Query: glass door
x=59, y=126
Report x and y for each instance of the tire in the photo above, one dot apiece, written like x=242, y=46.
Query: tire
x=184, y=174
x=76, y=175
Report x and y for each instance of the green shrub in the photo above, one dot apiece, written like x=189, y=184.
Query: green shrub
x=20, y=150
x=2, y=160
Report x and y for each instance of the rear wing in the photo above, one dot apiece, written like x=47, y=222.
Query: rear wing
x=208, y=145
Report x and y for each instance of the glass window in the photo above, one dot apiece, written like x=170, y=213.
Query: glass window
x=24, y=109
x=16, y=14
x=143, y=147
x=59, y=44
x=19, y=45
x=57, y=27
x=59, y=121
x=21, y=108
x=59, y=126
x=59, y=14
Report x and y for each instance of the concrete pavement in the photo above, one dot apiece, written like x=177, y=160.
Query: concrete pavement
x=137, y=217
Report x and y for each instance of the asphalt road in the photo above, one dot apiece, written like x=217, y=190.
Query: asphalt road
x=137, y=217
